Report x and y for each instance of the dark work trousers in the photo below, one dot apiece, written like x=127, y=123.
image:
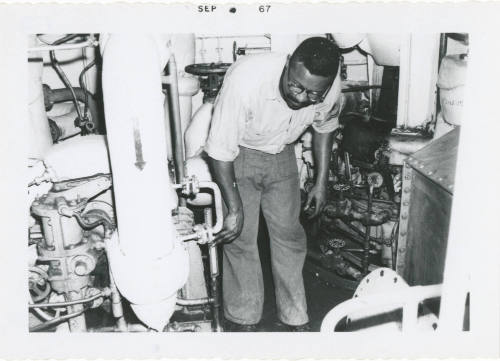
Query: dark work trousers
x=270, y=181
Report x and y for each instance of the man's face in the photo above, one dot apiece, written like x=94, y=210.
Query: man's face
x=300, y=88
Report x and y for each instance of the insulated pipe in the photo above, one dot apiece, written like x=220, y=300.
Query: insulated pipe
x=146, y=248
x=53, y=96
x=177, y=127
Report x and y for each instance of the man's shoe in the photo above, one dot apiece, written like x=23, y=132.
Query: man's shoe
x=301, y=328
x=230, y=326
x=283, y=327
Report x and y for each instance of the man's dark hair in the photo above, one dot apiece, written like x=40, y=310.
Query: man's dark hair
x=319, y=55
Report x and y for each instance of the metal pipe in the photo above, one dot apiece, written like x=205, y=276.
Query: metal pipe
x=52, y=96
x=77, y=323
x=177, y=128
x=366, y=249
x=116, y=305
x=66, y=82
x=81, y=45
x=134, y=115
x=361, y=88
x=214, y=276
x=390, y=301
x=347, y=165
x=56, y=321
x=67, y=303
x=218, y=207
x=194, y=301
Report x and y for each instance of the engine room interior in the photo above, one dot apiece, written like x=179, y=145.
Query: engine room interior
x=131, y=226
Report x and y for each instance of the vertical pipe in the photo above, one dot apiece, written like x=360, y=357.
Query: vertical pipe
x=347, y=165
x=214, y=277
x=443, y=47
x=142, y=187
x=176, y=112
x=366, y=250
x=78, y=323
x=116, y=305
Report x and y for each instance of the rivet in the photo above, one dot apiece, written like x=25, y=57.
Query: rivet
x=402, y=250
x=421, y=166
x=450, y=186
x=407, y=177
x=440, y=179
x=405, y=203
x=407, y=190
x=403, y=233
x=404, y=216
x=407, y=165
x=430, y=172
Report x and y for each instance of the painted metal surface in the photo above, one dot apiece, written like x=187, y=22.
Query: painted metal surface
x=378, y=295
x=146, y=248
x=403, y=217
x=428, y=180
x=437, y=161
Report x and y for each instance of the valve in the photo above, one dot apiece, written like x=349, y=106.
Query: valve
x=39, y=286
x=211, y=78
x=336, y=244
x=190, y=186
x=204, y=234
x=375, y=179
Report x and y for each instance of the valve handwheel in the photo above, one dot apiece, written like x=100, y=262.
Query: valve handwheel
x=211, y=78
x=39, y=286
x=375, y=179
x=204, y=69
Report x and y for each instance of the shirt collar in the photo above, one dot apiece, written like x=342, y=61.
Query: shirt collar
x=272, y=88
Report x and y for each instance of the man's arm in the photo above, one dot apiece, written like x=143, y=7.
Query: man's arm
x=322, y=148
x=225, y=178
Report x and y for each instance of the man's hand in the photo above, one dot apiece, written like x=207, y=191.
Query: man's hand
x=317, y=194
x=233, y=224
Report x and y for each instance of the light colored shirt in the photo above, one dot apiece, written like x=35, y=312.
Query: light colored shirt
x=250, y=111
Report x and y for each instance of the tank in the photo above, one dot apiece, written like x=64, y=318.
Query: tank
x=428, y=180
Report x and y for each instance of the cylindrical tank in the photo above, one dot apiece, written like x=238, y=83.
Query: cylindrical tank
x=451, y=83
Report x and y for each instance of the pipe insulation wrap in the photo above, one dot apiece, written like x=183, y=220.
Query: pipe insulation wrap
x=148, y=263
x=78, y=157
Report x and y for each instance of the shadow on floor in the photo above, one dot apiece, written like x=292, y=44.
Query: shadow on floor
x=321, y=297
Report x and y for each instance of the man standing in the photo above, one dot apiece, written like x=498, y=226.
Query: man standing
x=266, y=102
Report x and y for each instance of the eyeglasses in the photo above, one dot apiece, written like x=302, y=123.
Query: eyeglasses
x=297, y=89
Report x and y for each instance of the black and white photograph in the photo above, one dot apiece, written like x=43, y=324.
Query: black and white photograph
x=174, y=183
x=302, y=183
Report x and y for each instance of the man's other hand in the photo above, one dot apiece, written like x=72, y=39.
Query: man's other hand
x=316, y=200
x=233, y=224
